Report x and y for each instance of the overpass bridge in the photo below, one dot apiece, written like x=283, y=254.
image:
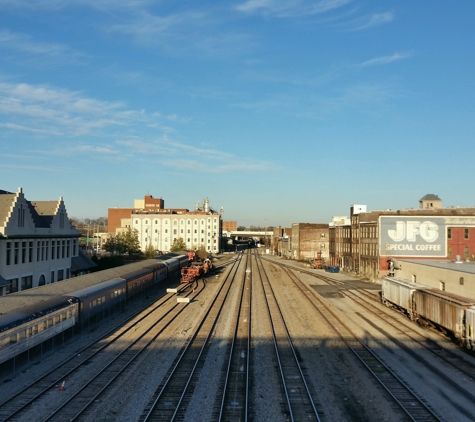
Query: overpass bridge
x=246, y=235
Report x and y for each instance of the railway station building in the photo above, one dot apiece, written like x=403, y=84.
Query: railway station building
x=38, y=244
x=372, y=243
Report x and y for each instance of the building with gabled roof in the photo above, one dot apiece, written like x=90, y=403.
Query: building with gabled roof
x=38, y=244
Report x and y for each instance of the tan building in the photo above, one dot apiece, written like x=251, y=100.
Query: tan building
x=38, y=244
x=308, y=240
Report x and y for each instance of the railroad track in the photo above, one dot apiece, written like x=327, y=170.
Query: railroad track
x=402, y=395
x=20, y=403
x=172, y=396
x=298, y=399
x=234, y=403
x=372, y=305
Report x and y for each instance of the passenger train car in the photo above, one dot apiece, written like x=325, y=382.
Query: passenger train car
x=452, y=314
x=74, y=302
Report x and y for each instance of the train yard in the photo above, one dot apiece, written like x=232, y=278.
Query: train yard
x=262, y=339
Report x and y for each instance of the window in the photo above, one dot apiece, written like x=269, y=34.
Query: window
x=30, y=251
x=9, y=253
x=60, y=275
x=466, y=252
x=26, y=282
x=23, y=252
x=449, y=233
x=466, y=234
x=21, y=216
x=449, y=251
x=16, y=252
x=322, y=234
x=53, y=244
x=442, y=286
x=461, y=281
x=52, y=277
x=14, y=285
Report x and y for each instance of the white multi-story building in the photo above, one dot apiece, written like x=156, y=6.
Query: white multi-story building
x=199, y=228
x=38, y=244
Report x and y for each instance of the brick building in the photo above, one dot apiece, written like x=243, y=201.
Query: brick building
x=229, y=226
x=308, y=240
x=116, y=215
x=374, y=239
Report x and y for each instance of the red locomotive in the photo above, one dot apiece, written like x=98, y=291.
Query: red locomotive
x=196, y=270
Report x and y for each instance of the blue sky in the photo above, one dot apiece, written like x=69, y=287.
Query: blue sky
x=278, y=111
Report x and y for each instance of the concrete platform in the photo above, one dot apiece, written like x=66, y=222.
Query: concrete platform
x=183, y=299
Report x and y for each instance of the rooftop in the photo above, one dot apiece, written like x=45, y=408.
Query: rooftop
x=462, y=266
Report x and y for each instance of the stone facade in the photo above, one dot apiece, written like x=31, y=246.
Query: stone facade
x=197, y=229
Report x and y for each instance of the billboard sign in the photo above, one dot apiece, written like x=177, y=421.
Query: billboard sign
x=421, y=236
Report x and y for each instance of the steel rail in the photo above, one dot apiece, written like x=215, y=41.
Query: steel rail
x=233, y=405
x=291, y=405
x=408, y=401
x=94, y=387
x=18, y=403
x=153, y=412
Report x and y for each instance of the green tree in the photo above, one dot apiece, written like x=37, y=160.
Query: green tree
x=149, y=252
x=178, y=245
x=126, y=242
x=111, y=245
x=130, y=240
x=201, y=252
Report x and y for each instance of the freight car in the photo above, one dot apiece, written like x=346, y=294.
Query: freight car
x=444, y=310
x=469, y=326
x=25, y=327
x=399, y=294
x=450, y=313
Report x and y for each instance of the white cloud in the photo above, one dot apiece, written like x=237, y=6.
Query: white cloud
x=290, y=8
x=385, y=59
x=377, y=19
x=42, y=109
